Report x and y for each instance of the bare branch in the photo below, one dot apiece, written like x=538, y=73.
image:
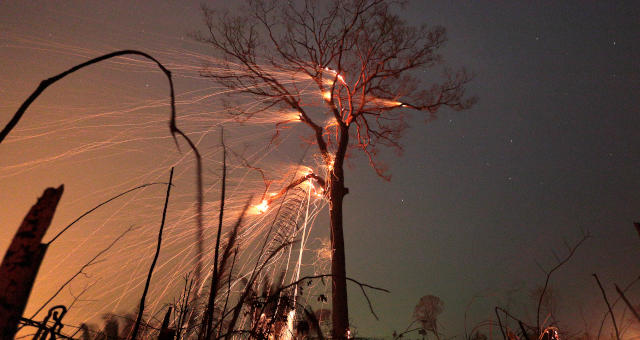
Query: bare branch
x=633, y=310
x=136, y=327
x=81, y=271
x=361, y=285
x=556, y=267
x=604, y=295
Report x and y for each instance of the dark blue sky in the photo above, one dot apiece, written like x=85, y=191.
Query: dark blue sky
x=480, y=199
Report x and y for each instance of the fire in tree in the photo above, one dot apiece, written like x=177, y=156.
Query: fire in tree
x=345, y=69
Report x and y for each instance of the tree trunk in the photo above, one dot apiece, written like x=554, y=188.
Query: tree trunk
x=340, y=311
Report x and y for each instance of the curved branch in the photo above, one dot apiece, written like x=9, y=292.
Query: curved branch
x=48, y=82
x=172, y=126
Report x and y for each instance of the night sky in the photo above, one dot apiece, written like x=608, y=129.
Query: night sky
x=479, y=201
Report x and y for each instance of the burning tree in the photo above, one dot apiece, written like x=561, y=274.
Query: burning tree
x=359, y=58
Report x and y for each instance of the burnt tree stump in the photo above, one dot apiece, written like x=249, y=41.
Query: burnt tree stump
x=22, y=261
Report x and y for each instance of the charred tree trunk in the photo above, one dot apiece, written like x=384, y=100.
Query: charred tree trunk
x=340, y=311
x=337, y=191
x=22, y=261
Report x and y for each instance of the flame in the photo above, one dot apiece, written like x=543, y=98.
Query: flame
x=310, y=185
x=306, y=171
x=335, y=73
x=293, y=116
x=262, y=207
x=394, y=103
x=326, y=95
x=330, y=165
x=290, y=320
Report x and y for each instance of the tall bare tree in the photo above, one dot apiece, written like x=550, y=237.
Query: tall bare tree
x=360, y=59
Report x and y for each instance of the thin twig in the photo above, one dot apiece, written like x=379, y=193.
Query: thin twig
x=100, y=205
x=361, y=285
x=624, y=298
x=604, y=318
x=504, y=336
x=546, y=283
x=136, y=327
x=604, y=295
x=91, y=262
x=208, y=318
x=226, y=300
x=400, y=335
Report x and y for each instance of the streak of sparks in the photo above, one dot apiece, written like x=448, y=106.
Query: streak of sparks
x=116, y=124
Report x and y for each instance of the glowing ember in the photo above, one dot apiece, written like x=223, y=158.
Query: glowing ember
x=330, y=165
x=290, y=320
x=326, y=95
x=262, y=207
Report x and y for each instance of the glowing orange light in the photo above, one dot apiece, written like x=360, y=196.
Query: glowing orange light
x=330, y=165
x=310, y=185
x=262, y=207
x=326, y=95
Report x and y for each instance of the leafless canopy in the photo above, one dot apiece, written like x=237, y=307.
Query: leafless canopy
x=355, y=60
